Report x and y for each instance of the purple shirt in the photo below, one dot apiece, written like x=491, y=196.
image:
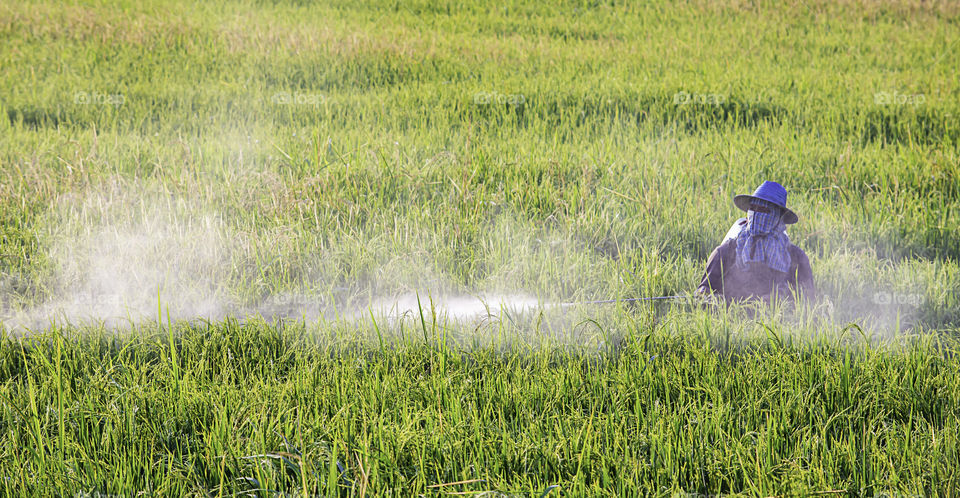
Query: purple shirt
x=726, y=278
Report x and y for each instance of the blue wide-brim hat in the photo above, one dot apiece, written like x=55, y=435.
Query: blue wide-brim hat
x=770, y=192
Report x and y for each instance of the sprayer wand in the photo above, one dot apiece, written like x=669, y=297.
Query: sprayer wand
x=628, y=300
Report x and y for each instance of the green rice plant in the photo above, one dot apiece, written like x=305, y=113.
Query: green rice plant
x=327, y=206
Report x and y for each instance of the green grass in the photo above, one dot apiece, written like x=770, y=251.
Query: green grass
x=254, y=407
x=148, y=157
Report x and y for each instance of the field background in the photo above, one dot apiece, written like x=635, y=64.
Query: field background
x=171, y=169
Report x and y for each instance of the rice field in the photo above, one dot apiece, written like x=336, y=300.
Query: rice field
x=282, y=248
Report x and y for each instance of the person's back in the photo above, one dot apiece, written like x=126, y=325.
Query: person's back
x=756, y=260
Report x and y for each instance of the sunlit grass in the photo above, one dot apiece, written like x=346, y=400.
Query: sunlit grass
x=195, y=163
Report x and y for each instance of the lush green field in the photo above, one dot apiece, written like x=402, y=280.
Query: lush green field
x=176, y=178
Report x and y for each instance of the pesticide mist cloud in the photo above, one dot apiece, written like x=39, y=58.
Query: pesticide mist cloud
x=123, y=256
x=128, y=254
x=114, y=256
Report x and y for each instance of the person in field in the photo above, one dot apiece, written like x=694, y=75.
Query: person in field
x=756, y=260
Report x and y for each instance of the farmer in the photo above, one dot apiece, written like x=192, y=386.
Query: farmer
x=756, y=259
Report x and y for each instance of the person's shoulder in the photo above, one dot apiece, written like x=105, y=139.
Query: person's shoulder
x=735, y=229
x=727, y=246
x=797, y=254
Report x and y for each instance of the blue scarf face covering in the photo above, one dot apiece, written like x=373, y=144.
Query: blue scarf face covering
x=764, y=240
